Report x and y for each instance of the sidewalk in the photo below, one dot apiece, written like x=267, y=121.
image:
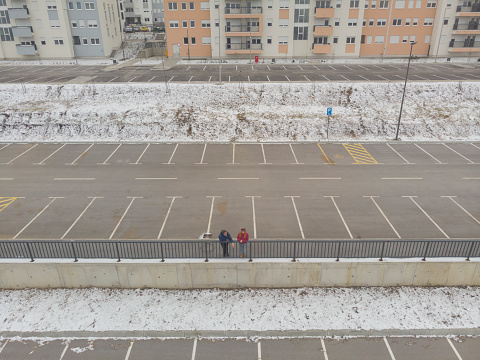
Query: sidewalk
x=168, y=63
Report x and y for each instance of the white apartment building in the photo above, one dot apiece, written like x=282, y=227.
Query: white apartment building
x=143, y=12
x=54, y=29
x=322, y=29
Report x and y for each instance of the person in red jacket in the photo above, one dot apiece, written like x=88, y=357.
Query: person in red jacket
x=242, y=238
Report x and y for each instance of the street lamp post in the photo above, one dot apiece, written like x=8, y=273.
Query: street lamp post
x=219, y=42
x=404, y=87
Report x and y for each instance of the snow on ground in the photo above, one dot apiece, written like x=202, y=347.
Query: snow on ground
x=238, y=112
x=252, y=309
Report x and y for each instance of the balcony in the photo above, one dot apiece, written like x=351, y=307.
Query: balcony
x=466, y=46
x=243, y=30
x=322, y=48
x=322, y=30
x=245, y=10
x=243, y=48
x=22, y=31
x=322, y=13
x=18, y=13
x=466, y=29
x=26, y=49
x=473, y=10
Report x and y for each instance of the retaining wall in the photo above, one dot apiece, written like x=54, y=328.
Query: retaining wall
x=235, y=274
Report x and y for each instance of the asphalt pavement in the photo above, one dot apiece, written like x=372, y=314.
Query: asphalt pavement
x=262, y=72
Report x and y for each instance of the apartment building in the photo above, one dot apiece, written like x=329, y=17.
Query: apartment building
x=55, y=29
x=144, y=12
x=322, y=29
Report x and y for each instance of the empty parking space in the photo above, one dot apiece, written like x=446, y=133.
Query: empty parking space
x=469, y=152
x=279, y=154
x=309, y=154
x=357, y=349
x=9, y=153
x=467, y=347
x=155, y=154
x=421, y=349
x=179, y=349
x=32, y=350
x=98, y=349
x=219, y=154
x=306, y=349
x=443, y=154
x=232, y=349
x=413, y=154
x=249, y=154
x=384, y=154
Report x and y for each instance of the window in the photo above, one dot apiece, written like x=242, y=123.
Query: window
x=183, y=6
x=351, y=40
x=427, y=39
x=95, y=41
x=4, y=18
x=397, y=22
x=43, y=42
x=92, y=23
x=379, y=39
x=55, y=23
x=383, y=4
x=408, y=21
x=205, y=23
x=6, y=34
x=194, y=41
x=352, y=22
x=51, y=5
x=173, y=6
x=71, y=6
x=300, y=33
x=185, y=41
x=301, y=2
x=405, y=39
x=74, y=24
x=269, y=39
x=364, y=23
x=369, y=39
x=206, y=40
x=192, y=23
x=217, y=23
x=284, y=4
x=411, y=3
x=338, y=4
x=354, y=4
x=58, y=41
x=371, y=22
x=431, y=3
x=301, y=15
x=282, y=40
x=76, y=40
x=192, y=6
x=335, y=39
x=173, y=23
x=362, y=39
x=428, y=22
x=415, y=22
x=85, y=41
x=373, y=4
x=323, y=4
x=204, y=5
x=366, y=4
x=412, y=38
x=282, y=22
x=395, y=39
x=400, y=4
x=270, y=4
x=89, y=6
x=3, y=2
x=418, y=5
x=337, y=22
x=184, y=23
x=269, y=22
x=321, y=40
x=381, y=22
x=445, y=21
x=81, y=23
x=79, y=5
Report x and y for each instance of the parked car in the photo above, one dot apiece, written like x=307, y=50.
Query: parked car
x=136, y=28
x=128, y=29
x=144, y=28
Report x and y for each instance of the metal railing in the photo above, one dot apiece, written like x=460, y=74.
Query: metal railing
x=243, y=46
x=244, y=10
x=464, y=44
x=470, y=26
x=206, y=249
x=473, y=8
x=242, y=28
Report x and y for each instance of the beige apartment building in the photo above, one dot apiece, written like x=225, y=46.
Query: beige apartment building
x=59, y=29
x=322, y=29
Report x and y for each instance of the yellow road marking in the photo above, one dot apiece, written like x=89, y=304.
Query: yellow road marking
x=326, y=157
x=360, y=154
x=5, y=201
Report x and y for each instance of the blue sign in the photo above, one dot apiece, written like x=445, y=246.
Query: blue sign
x=329, y=111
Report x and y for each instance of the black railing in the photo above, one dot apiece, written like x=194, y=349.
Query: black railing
x=244, y=10
x=468, y=43
x=243, y=46
x=242, y=28
x=473, y=8
x=206, y=249
x=470, y=26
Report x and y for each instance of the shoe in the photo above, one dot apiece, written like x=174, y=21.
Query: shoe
x=228, y=255
x=241, y=255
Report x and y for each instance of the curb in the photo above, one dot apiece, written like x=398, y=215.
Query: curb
x=240, y=333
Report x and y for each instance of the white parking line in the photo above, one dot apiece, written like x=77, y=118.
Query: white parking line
x=171, y=157
x=64, y=350
x=324, y=349
x=191, y=77
x=349, y=68
x=105, y=162
x=204, y=68
x=316, y=67
x=233, y=155
x=379, y=67
x=474, y=76
x=400, y=178
x=73, y=179
x=456, y=152
x=10, y=81
x=345, y=78
x=325, y=77
x=112, y=79
x=172, y=78
x=3, y=347
x=82, y=154
x=268, y=78
x=248, y=78
x=318, y=178
x=296, y=213
x=166, y=216
x=6, y=179
x=438, y=227
x=331, y=67
x=286, y=77
x=284, y=68
x=264, y=158
x=188, y=68
x=30, y=81
x=339, y=213
x=259, y=349
x=194, y=350
x=78, y=218
x=384, y=216
x=238, y=178
x=306, y=78
x=48, y=157
x=268, y=67
x=254, y=218
x=20, y=155
x=388, y=348
x=139, y=158
x=156, y=178
x=439, y=162
x=440, y=77
x=211, y=212
x=125, y=213
x=229, y=78
x=3, y=147
x=406, y=161
x=420, y=77
x=363, y=67
x=300, y=67
x=478, y=147
x=151, y=79
x=129, y=350
x=380, y=76
x=293, y=152
x=210, y=78
x=40, y=213
x=461, y=207
x=363, y=77
x=203, y=156
x=454, y=349
x=469, y=178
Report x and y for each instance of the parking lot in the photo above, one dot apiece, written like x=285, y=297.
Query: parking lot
x=401, y=348
x=277, y=191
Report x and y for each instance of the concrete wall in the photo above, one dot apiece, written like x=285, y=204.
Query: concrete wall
x=236, y=274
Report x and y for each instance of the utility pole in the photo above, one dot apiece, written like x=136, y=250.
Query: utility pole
x=219, y=42
x=250, y=27
x=188, y=46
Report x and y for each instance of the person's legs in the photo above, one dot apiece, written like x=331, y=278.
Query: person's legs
x=224, y=247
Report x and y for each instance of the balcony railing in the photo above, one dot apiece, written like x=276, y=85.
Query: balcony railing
x=18, y=13
x=243, y=46
x=26, y=49
x=244, y=10
x=464, y=44
x=241, y=28
x=473, y=8
x=22, y=31
x=471, y=26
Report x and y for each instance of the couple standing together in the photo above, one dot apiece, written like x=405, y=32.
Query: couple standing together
x=242, y=238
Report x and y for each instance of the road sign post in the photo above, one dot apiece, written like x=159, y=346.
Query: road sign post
x=329, y=112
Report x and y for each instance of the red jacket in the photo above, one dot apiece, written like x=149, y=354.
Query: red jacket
x=242, y=237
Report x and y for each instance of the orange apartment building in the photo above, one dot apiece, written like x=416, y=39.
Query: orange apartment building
x=322, y=29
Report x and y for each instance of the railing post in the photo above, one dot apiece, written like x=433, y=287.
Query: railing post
x=338, y=251
x=426, y=250
x=206, y=251
x=470, y=251
x=30, y=252
x=161, y=252
x=294, y=250
x=250, y=249
x=381, y=254
x=118, y=251
x=74, y=252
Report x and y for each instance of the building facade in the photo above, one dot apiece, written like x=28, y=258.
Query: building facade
x=59, y=29
x=322, y=29
x=143, y=12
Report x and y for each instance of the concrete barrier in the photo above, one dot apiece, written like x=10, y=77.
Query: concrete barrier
x=236, y=274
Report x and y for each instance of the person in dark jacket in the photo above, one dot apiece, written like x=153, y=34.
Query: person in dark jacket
x=224, y=238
